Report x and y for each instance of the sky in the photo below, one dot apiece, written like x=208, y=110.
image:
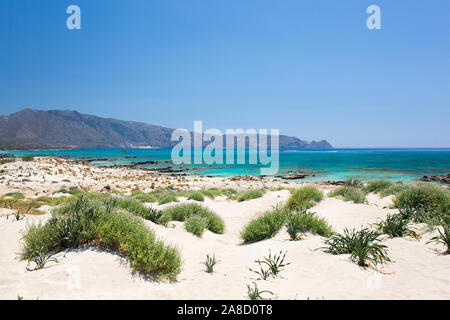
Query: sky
x=309, y=68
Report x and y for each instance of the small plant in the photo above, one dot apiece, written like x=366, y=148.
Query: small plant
x=210, y=263
x=42, y=258
x=363, y=246
x=256, y=294
x=276, y=263
x=443, y=238
x=18, y=215
x=396, y=226
x=263, y=273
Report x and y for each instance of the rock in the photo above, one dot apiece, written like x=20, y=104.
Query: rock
x=443, y=178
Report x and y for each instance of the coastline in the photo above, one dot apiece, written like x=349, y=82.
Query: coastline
x=417, y=270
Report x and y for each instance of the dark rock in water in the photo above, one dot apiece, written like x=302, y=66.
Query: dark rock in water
x=443, y=178
x=293, y=176
x=336, y=183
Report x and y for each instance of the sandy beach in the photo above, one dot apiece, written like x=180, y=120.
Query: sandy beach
x=417, y=271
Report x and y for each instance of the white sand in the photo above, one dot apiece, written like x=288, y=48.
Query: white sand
x=418, y=270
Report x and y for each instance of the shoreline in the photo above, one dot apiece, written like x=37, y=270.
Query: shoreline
x=418, y=270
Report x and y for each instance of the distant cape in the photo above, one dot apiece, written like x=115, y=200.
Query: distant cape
x=62, y=129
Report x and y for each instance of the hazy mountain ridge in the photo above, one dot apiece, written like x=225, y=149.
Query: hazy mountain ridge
x=61, y=129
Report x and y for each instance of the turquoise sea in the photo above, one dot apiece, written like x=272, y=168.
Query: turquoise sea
x=330, y=164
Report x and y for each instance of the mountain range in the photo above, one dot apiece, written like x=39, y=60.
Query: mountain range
x=63, y=129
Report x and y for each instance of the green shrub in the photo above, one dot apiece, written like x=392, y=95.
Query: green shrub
x=250, y=194
x=15, y=195
x=181, y=212
x=27, y=158
x=349, y=194
x=353, y=182
x=167, y=198
x=443, y=238
x=363, y=246
x=195, y=224
x=265, y=226
x=230, y=193
x=424, y=202
x=212, y=192
x=89, y=221
x=377, y=186
x=304, y=198
x=298, y=223
x=197, y=196
x=395, y=226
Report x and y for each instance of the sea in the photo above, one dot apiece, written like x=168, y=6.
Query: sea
x=404, y=165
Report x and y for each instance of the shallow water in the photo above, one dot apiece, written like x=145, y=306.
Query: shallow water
x=329, y=164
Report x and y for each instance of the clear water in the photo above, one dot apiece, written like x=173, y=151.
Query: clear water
x=334, y=164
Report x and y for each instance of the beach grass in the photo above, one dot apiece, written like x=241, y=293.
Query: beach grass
x=195, y=224
x=395, y=226
x=83, y=222
x=249, y=194
x=424, y=203
x=181, y=212
x=301, y=222
x=197, y=196
x=364, y=246
x=304, y=198
x=265, y=226
x=349, y=194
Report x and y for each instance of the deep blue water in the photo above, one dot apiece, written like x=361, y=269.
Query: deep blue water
x=334, y=164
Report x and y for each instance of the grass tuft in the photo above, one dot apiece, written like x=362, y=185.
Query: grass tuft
x=83, y=222
x=304, y=198
x=349, y=194
x=265, y=226
x=181, y=212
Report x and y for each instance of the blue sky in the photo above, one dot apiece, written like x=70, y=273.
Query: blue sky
x=310, y=68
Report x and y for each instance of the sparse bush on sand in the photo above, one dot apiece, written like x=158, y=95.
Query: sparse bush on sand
x=443, y=238
x=424, y=202
x=197, y=196
x=195, y=224
x=395, y=226
x=84, y=222
x=249, y=194
x=349, y=194
x=27, y=158
x=300, y=222
x=363, y=246
x=304, y=198
x=181, y=212
x=265, y=226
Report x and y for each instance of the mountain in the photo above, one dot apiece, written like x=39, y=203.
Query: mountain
x=61, y=129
